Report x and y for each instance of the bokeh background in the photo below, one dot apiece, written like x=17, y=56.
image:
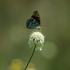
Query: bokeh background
x=14, y=36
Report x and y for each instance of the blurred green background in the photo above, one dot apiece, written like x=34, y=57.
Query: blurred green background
x=55, y=23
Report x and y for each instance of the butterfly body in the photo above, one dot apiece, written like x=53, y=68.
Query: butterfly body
x=34, y=21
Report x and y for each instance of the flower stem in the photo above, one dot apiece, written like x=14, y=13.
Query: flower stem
x=30, y=58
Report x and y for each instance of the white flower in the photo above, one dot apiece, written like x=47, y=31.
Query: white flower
x=36, y=38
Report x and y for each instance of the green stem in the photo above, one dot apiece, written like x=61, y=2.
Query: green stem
x=30, y=58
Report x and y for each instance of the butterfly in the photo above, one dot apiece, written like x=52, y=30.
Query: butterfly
x=34, y=21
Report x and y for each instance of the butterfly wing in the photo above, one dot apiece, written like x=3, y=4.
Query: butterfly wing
x=34, y=21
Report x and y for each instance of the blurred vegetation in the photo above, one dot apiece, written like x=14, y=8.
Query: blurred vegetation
x=55, y=23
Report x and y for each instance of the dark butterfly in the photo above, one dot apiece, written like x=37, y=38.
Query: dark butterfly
x=34, y=21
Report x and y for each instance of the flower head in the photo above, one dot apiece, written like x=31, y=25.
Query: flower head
x=36, y=38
